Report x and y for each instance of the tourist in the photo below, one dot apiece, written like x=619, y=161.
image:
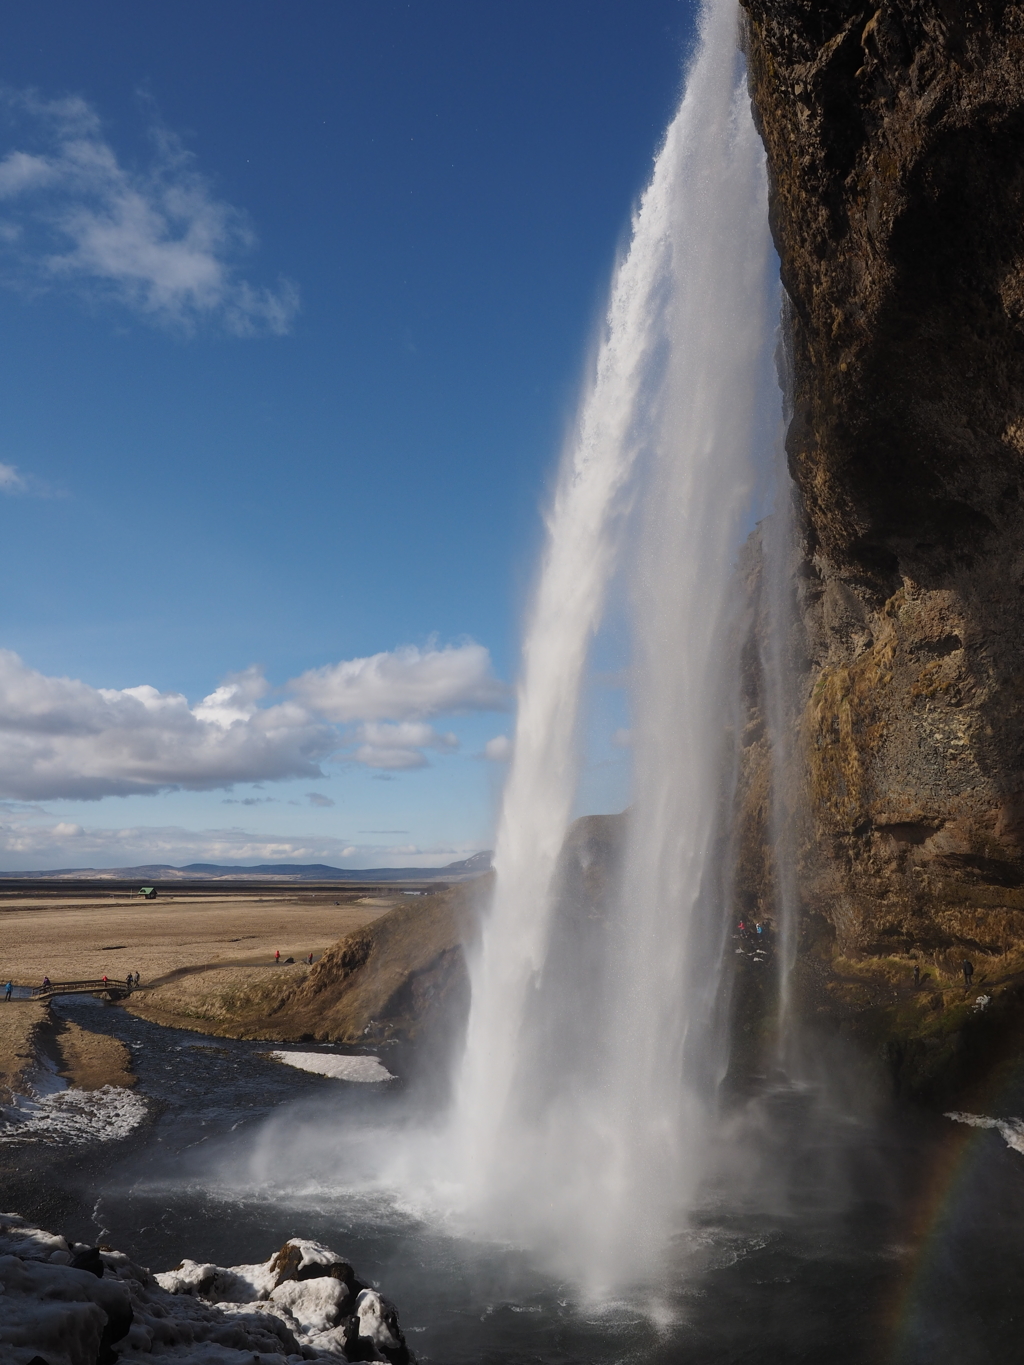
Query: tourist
x=917, y=974
x=968, y=972
x=310, y=959
x=136, y=978
x=277, y=955
x=8, y=989
x=46, y=983
x=129, y=981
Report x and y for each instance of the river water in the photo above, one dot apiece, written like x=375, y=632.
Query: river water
x=857, y=1234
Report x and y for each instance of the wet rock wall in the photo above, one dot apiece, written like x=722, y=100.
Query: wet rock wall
x=895, y=142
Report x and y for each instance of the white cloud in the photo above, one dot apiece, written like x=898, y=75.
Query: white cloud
x=13, y=482
x=406, y=684
x=318, y=799
x=31, y=847
x=236, y=699
x=400, y=746
x=156, y=240
x=10, y=480
x=498, y=749
x=61, y=738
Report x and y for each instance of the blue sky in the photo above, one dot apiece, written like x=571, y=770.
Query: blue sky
x=295, y=304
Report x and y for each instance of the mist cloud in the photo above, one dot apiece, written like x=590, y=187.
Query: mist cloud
x=155, y=240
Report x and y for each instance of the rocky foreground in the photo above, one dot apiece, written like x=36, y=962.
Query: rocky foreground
x=68, y=1304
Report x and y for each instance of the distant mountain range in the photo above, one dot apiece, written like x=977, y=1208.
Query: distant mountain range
x=306, y=872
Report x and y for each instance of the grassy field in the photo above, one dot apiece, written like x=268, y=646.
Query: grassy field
x=78, y=937
x=191, y=950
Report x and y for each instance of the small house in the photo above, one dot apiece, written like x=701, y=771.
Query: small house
x=148, y=891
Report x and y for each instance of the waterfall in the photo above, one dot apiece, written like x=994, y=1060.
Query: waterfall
x=779, y=672
x=587, y=1140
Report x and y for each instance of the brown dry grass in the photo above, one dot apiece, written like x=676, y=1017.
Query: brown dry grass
x=90, y=1061
x=381, y=979
x=190, y=949
x=20, y=1024
x=87, y=1061
x=71, y=940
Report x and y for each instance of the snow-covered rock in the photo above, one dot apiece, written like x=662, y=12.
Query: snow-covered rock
x=67, y=1316
x=312, y=1305
x=303, y=1304
x=297, y=1260
x=218, y=1284
x=30, y=1244
x=378, y=1322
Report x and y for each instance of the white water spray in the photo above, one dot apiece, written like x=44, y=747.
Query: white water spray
x=593, y=1153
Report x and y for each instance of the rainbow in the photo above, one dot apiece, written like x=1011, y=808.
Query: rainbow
x=941, y=1204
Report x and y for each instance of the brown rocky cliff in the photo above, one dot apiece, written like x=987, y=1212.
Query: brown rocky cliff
x=895, y=142
x=400, y=977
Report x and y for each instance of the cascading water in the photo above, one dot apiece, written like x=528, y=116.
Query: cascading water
x=779, y=619
x=592, y=1150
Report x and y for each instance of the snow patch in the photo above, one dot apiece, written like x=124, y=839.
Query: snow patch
x=75, y=1116
x=365, y=1069
x=1011, y=1130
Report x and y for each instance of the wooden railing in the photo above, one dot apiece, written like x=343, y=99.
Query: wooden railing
x=99, y=985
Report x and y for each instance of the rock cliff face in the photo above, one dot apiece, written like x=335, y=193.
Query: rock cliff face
x=401, y=977
x=895, y=143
